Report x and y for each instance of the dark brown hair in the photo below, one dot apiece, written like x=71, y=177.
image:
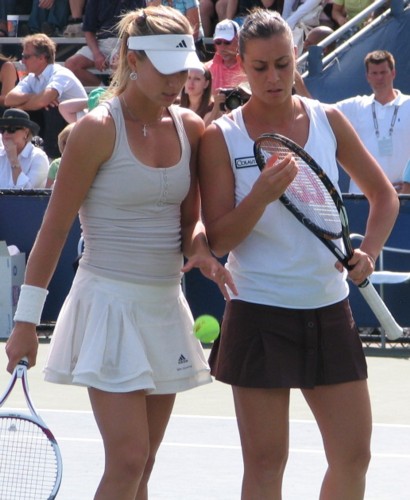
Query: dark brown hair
x=262, y=23
x=379, y=57
x=206, y=102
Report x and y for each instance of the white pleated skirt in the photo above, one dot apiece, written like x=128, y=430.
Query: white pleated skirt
x=122, y=337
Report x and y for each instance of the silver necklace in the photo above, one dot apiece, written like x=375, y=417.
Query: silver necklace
x=145, y=126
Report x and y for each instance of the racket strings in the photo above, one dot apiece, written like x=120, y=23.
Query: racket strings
x=28, y=463
x=307, y=193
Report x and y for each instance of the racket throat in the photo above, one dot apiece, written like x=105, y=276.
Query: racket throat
x=339, y=254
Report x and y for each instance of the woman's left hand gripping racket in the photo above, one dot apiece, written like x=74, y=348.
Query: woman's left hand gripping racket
x=316, y=203
x=30, y=459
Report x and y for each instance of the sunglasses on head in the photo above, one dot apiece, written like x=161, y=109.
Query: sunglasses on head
x=222, y=42
x=10, y=130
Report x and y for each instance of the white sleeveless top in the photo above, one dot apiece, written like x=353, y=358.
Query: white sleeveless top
x=131, y=218
x=281, y=263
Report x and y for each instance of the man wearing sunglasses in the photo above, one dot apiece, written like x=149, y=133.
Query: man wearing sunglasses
x=224, y=67
x=46, y=85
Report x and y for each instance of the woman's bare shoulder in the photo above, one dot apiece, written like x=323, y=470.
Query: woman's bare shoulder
x=97, y=123
x=93, y=135
x=193, y=124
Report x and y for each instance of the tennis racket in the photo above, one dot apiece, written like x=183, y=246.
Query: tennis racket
x=30, y=460
x=316, y=203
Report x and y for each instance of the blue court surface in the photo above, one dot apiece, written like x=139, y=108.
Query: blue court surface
x=200, y=458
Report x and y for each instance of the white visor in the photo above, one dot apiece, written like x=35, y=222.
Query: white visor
x=168, y=53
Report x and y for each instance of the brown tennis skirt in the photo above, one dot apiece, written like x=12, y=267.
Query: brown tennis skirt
x=271, y=347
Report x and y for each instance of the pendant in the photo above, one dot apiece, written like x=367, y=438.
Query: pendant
x=145, y=130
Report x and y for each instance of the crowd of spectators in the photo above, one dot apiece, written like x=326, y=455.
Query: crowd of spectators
x=55, y=94
x=52, y=17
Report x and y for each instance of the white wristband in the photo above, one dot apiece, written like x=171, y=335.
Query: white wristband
x=30, y=304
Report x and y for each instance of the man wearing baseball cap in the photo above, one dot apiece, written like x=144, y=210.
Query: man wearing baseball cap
x=224, y=67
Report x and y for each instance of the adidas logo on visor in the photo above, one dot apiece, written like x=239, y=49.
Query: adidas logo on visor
x=162, y=43
x=182, y=45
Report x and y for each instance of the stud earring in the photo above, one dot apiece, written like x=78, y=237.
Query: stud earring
x=133, y=75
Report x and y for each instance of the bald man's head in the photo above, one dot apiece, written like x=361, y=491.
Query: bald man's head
x=316, y=35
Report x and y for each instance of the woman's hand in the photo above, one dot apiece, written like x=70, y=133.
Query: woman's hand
x=274, y=179
x=23, y=342
x=11, y=150
x=362, y=266
x=212, y=269
x=219, y=101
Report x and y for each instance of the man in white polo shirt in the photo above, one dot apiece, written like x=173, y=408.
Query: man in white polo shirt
x=46, y=85
x=382, y=120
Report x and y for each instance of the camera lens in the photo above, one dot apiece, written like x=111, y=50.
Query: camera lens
x=233, y=101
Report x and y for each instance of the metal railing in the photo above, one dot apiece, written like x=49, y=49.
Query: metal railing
x=402, y=277
x=313, y=56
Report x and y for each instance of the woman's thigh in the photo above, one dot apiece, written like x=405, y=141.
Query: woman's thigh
x=343, y=414
x=263, y=420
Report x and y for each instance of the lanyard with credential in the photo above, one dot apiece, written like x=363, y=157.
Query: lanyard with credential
x=376, y=124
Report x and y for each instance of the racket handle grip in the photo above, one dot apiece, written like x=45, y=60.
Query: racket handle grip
x=387, y=322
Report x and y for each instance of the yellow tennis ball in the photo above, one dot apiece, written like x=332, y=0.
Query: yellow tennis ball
x=206, y=328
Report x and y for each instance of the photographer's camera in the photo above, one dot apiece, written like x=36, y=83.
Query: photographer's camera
x=234, y=97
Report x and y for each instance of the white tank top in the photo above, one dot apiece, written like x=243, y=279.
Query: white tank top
x=281, y=263
x=131, y=218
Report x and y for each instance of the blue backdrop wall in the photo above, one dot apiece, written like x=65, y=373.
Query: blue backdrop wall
x=345, y=75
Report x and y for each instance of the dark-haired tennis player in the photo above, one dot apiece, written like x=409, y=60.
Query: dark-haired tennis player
x=290, y=325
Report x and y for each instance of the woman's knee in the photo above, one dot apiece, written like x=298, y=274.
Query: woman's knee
x=267, y=464
x=360, y=462
x=354, y=464
x=129, y=462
